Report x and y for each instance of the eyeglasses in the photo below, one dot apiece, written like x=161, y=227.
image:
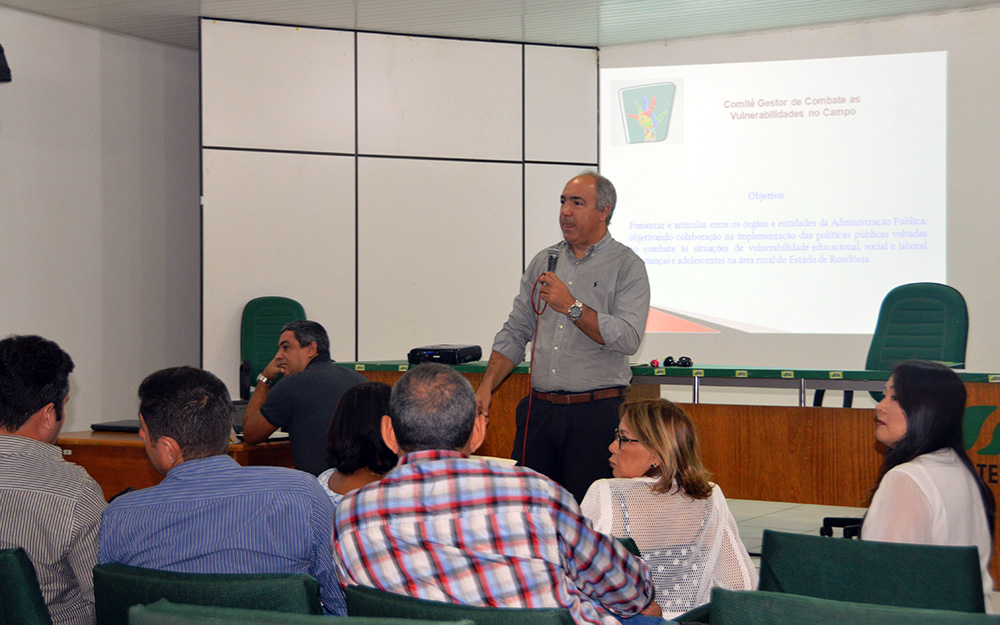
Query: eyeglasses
x=622, y=440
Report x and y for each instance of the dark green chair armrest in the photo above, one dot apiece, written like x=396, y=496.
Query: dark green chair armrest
x=363, y=601
x=629, y=544
x=756, y=607
x=164, y=612
x=701, y=614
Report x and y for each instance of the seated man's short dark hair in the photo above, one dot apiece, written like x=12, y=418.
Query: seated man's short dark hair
x=189, y=405
x=34, y=372
x=432, y=407
x=307, y=332
x=354, y=439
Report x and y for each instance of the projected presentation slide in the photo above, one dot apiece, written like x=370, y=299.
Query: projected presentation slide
x=784, y=196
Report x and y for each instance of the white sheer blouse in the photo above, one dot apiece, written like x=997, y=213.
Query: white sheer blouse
x=690, y=545
x=931, y=500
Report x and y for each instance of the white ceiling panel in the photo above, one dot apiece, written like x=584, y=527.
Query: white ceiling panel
x=592, y=23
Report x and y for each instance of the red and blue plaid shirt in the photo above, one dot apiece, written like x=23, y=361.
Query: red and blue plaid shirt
x=446, y=527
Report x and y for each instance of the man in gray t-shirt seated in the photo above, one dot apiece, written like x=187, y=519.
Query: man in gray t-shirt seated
x=303, y=401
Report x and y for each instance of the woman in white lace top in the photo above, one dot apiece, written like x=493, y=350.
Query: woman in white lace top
x=662, y=498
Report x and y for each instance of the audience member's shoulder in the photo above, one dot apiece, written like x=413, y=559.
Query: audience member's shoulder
x=286, y=480
x=276, y=477
x=61, y=478
x=533, y=484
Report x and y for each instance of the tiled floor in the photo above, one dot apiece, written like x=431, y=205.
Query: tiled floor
x=753, y=517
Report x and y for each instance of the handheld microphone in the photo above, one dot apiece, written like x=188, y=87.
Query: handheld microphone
x=553, y=258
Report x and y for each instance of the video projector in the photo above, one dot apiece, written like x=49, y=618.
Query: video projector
x=445, y=354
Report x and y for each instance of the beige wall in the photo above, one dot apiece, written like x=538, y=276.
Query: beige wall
x=100, y=241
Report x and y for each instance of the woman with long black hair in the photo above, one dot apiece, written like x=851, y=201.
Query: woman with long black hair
x=928, y=491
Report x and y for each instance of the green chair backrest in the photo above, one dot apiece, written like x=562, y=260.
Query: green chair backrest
x=924, y=321
x=164, y=612
x=363, y=601
x=117, y=587
x=754, y=607
x=21, y=601
x=629, y=543
x=263, y=318
x=867, y=571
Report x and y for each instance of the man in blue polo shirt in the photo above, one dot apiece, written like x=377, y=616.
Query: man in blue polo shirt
x=210, y=514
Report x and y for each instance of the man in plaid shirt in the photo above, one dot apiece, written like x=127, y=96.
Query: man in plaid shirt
x=447, y=527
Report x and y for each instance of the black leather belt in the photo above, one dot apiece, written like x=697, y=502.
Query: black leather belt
x=566, y=399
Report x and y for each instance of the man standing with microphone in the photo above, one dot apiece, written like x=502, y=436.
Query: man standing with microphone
x=595, y=300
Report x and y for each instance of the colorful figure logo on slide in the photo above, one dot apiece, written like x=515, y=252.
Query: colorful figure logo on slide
x=646, y=111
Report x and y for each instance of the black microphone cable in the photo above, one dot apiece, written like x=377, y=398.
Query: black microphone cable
x=538, y=306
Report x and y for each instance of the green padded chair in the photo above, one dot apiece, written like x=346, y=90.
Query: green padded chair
x=263, y=318
x=363, y=601
x=21, y=601
x=751, y=607
x=117, y=587
x=867, y=571
x=164, y=612
x=923, y=321
x=629, y=543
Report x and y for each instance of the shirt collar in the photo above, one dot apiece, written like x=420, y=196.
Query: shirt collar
x=316, y=360
x=568, y=249
x=190, y=469
x=430, y=454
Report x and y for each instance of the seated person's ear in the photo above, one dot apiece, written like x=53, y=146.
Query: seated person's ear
x=478, y=433
x=389, y=434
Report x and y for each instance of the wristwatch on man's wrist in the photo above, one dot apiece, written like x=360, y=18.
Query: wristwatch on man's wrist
x=262, y=380
x=575, y=311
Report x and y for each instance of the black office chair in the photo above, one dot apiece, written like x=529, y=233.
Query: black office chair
x=850, y=525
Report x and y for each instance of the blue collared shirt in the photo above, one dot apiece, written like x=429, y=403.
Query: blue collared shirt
x=212, y=515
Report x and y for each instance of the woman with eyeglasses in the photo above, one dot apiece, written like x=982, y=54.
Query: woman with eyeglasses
x=661, y=497
x=928, y=491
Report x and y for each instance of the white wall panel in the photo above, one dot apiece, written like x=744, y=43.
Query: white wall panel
x=439, y=253
x=276, y=224
x=277, y=87
x=441, y=234
x=543, y=184
x=99, y=196
x=437, y=97
x=560, y=104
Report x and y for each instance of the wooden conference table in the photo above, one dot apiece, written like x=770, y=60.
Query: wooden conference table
x=117, y=460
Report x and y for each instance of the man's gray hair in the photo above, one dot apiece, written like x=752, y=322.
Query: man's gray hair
x=432, y=407
x=606, y=194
